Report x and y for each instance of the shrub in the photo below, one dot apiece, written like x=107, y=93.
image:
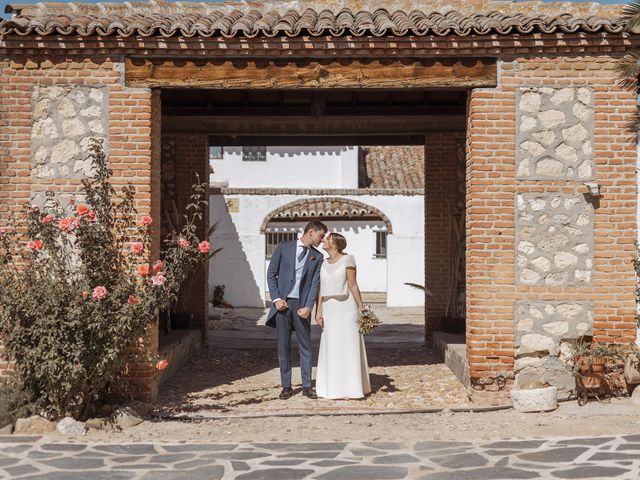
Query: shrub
x=78, y=294
x=15, y=402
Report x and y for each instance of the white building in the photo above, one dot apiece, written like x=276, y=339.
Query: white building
x=261, y=196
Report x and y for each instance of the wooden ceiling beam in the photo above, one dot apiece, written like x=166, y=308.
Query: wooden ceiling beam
x=278, y=125
x=278, y=75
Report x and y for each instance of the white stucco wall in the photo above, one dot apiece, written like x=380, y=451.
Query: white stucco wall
x=241, y=265
x=289, y=167
x=361, y=244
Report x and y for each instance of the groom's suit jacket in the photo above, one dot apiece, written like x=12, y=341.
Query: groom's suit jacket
x=281, y=276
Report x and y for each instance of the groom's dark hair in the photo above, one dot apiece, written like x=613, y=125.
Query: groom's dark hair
x=315, y=225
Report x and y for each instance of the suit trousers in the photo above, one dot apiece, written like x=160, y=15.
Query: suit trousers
x=285, y=321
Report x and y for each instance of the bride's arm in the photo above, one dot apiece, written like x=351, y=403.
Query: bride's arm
x=319, y=319
x=353, y=286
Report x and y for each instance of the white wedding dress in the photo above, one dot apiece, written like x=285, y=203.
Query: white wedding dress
x=342, y=370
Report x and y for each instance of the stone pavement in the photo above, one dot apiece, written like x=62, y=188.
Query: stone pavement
x=614, y=457
x=237, y=375
x=220, y=382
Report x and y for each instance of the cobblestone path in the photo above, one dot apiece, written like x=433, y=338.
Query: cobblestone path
x=615, y=457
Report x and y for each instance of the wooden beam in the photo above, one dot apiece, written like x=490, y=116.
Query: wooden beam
x=308, y=125
x=270, y=74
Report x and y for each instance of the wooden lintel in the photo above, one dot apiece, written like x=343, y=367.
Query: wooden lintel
x=275, y=74
x=309, y=125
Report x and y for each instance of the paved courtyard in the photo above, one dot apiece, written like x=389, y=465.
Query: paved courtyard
x=568, y=458
x=238, y=375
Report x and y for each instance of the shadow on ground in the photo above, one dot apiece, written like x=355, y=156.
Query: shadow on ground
x=237, y=375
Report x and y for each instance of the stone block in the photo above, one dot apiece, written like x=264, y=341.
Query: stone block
x=542, y=332
x=34, y=425
x=554, y=239
x=62, y=116
x=535, y=399
x=554, y=133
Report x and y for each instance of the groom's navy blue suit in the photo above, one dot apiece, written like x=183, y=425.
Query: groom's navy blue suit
x=283, y=283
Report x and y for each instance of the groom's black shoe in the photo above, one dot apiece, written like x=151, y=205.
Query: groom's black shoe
x=286, y=393
x=310, y=392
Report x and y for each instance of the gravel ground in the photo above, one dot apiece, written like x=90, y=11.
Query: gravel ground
x=617, y=417
x=228, y=393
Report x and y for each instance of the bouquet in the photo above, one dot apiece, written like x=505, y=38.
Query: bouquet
x=367, y=321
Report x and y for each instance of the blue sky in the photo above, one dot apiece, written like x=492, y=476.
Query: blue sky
x=3, y=3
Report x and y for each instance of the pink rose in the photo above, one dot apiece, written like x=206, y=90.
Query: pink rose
x=147, y=220
x=68, y=224
x=158, y=280
x=82, y=209
x=99, y=293
x=137, y=248
x=91, y=215
x=132, y=300
x=72, y=201
x=47, y=219
x=162, y=364
x=204, y=247
x=184, y=243
x=85, y=294
x=158, y=266
x=143, y=270
x=35, y=245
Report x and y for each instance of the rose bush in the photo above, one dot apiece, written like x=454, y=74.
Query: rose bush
x=77, y=293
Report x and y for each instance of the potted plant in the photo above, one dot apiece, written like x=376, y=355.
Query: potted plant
x=590, y=362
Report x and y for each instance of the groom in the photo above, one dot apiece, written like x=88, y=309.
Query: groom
x=293, y=278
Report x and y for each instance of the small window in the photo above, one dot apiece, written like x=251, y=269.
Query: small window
x=381, y=244
x=274, y=237
x=215, y=153
x=254, y=154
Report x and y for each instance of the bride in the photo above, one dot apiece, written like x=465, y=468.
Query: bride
x=342, y=370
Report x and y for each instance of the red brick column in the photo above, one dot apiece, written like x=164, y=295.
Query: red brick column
x=492, y=287
x=191, y=158
x=132, y=148
x=441, y=212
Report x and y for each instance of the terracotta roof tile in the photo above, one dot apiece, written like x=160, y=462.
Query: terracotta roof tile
x=294, y=18
x=325, y=208
x=392, y=167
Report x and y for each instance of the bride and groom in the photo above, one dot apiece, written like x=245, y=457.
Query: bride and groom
x=299, y=278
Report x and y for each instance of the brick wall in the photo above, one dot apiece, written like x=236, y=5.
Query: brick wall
x=190, y=158
x=133, y=155
x=442, y=211
x=492, y=286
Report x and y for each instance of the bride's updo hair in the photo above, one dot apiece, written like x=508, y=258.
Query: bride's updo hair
x=339, y=242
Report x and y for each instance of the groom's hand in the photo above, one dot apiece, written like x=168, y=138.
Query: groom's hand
x=281, y=305
x=304, y=313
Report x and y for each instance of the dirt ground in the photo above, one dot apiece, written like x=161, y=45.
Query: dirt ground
x=615, y=417
x=228, y=393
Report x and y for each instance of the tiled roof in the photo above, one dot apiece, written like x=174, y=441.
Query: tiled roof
x=321, y=208
x=293, y=18
x=392, y=167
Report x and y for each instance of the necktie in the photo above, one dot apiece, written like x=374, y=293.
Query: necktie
x=303, y=253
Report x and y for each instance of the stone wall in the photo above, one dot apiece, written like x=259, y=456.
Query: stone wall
x=555, y=133
x=554, y=239
x=543, y=333
x=64, y=120
x=534, y=235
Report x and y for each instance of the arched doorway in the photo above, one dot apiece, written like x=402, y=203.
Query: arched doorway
x=365, y=227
